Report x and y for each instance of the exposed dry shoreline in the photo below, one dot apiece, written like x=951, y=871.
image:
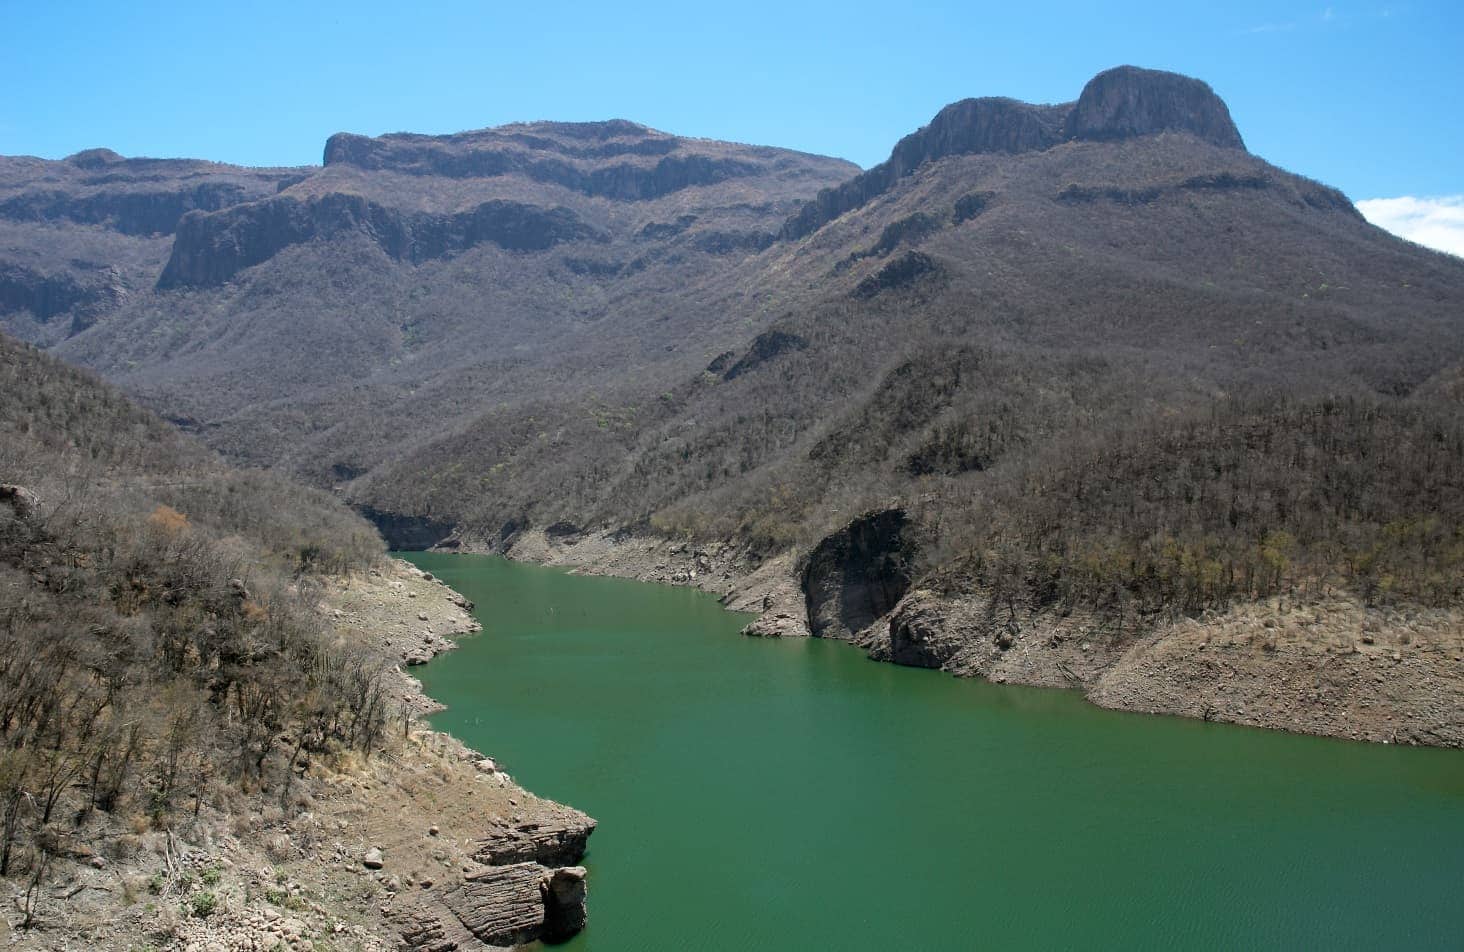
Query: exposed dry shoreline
x=426, y=846
x=1329, y=667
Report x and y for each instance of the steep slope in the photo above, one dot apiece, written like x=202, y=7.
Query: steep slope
x=199, y=671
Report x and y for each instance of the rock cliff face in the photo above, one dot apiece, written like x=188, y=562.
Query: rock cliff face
x=44, y=296
x=210, y=249
x=135, y=197
x=1127, y=101
x=857, y=575
x=82, y=295
x=154, y=212
x=407, y=533
x=527, y=890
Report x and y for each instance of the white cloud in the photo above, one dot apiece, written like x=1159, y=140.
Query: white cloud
x=1432, y=222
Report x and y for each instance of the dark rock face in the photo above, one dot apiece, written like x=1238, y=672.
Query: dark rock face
x=22, y=501
x=963, y=128
x=407, y=533
x=132, y=213
x=1304, y=193
x=765, y=347
x=565, y=908
x=858, y=574
x=661, y=230
x=44, y=296
x=563, y=529
x=729, y=242
x=1127, y=101
x=969, y=206
x=902, y=272
x=909, y=230
x=721, y=362
x=210, y=249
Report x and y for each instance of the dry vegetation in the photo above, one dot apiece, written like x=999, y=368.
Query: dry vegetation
x=161, y=659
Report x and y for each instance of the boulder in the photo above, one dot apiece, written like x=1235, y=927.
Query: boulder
x=564, y=896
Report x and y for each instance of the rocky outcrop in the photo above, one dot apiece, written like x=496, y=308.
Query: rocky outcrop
x=963, y=128
x=970, y=205
x=407, y=533
x=142, y=213
x=43, y=295
x=902, y=272
x=732, y=242
x=857, y=575
x=547, y=158
x=529, y=888
x=921, y=636
x=1128, y=101
x=549, y=841
x=22, y=501
x=502, y=905
x=1298, y=191
x=1119, y=103
x=565, y=908
x=211, y=248
x=765, y=347
x=135, y=197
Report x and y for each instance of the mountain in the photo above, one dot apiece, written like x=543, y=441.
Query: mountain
x=1092, y=359
x=410, y=277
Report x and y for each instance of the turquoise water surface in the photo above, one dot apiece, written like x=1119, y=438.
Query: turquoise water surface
x=757, y=794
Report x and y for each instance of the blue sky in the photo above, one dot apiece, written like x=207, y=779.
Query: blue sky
x=1363, y=96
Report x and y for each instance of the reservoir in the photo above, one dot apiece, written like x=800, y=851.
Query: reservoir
x=763, y=794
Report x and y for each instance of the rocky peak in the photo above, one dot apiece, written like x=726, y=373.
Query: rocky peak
x=1119, y=103
x=988, y=124
x=1128, y=101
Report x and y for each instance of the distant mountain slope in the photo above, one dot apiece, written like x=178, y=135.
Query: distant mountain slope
x=977, y=306
x=410, y=279
x=80, y=237
x=599, y=324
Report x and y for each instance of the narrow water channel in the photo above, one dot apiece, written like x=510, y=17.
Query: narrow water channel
x=794, y=795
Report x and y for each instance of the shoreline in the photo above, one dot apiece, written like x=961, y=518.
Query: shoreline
x=1326, y=667
x=428, y=845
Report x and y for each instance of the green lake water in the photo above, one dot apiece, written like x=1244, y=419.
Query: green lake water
x=762, y=794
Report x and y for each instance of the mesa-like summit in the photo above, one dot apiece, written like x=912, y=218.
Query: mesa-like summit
x=1082, y=395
